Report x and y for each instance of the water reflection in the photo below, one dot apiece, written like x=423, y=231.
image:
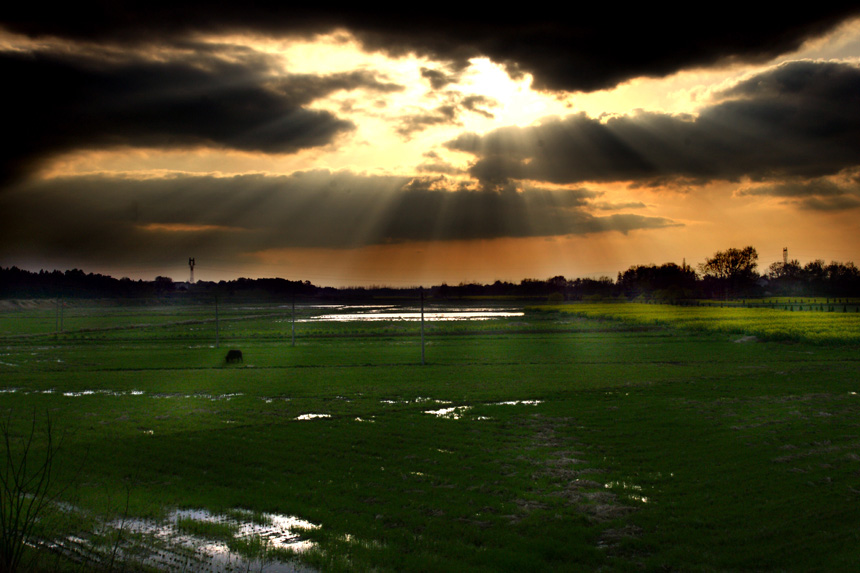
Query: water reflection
x=312, y=416
x=454, y=413
x=240, y=540
x=457, y=412
x=628, y=487
x=413, y=316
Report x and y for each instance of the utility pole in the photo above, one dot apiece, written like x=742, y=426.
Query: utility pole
x=216, y=323
x=784, y=256
x=294, y=319
x=421, y=290
x=191, y=266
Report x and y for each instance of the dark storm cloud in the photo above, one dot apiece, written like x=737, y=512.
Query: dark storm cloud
x=797, y=189
x=58, y=102
x=579, y=47
x=816, y=194
x=799, y=119
x=102, y=219
x=841, y=203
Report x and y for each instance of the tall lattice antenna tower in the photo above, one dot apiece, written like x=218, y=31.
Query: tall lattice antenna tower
x=784, y=256
x=191, y=266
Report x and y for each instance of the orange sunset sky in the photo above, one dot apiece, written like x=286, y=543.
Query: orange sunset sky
x=361, y=148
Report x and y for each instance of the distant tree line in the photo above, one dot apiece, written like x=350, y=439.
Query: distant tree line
x=18, y=283
x=728, y=274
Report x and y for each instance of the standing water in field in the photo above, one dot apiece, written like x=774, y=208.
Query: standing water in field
x=368, y=313
x=197, y=540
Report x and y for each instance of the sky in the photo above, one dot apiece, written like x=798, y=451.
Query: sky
x=422, y=146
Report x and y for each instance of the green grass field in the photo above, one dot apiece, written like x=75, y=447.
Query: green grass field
x=586, y=438
x=766, y=323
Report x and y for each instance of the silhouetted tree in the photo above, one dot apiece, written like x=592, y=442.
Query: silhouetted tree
x=666, y=282
x=843, y=279
x=732, y=271
x=602, y=287
x=786, y=278
x=164, y=284
x=815, y=276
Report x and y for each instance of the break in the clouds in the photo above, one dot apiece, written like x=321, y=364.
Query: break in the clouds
x=798, y=119
x=442, y=115
x=575, y=47
x=58, y=102
x=106, y=219
x=447, y=114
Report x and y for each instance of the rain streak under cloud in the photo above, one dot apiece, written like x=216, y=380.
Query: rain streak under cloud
x=352, y=147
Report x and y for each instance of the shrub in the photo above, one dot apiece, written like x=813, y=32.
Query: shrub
x=25, y=485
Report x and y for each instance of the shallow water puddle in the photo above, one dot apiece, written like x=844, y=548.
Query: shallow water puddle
x=417, y=400
x=243, y=541
x=211, y=397
x=271, y=399
x=105, y=392
x=457, y=412
x=628, y=488
x=312, y=416
x=453, y=413
x=411, y=316
x=100, y=392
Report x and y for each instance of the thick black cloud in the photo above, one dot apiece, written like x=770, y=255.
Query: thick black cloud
x=58, y=102
x=103, y=219
x=578, y=47
x=799, y=119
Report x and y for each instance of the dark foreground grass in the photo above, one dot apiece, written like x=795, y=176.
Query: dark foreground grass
x=649, y=448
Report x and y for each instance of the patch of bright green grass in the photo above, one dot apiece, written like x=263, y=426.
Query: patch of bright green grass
x=766, y=323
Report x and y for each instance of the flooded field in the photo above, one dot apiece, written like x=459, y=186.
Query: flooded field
x=526, y=440
x=193, y=540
